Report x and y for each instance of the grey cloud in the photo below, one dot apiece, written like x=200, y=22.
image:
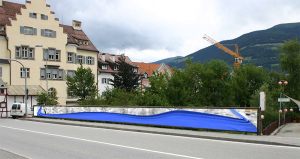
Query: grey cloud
x=121, y=24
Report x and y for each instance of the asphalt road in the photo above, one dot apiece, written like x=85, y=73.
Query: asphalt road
x=48, y=141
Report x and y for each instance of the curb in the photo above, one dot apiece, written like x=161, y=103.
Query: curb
x=166, y=133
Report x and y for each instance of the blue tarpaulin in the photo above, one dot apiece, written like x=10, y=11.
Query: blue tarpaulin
x=177, y=118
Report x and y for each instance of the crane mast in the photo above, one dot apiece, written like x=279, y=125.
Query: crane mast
x=238, y=58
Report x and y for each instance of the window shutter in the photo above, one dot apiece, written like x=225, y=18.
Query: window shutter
x=93, y=61
x=43, y=73
x=54, y=34
x=0, y=71
x=34, y=31
x=74, y=57
x=45, y=54
x=43, y=32
x=84, y=60
x=21, y=29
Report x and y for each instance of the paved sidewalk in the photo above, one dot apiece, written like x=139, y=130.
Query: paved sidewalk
x=252, y=138
x=289, y=130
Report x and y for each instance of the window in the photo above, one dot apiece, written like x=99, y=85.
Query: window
x=80, y=59
x=135, y=70
x=71, y=57
x=54, y=74
x=48, y=33
x=52, y=92
x=90, y=60
x=104, y=67
x=28, y=30
x=32, y=15
x=116, y=67
x=105, y=80
x=2, y=28
x=24, y=72
x=70, y=73
x=24, y=52
x=44, y=17
x=0, y=71
x=2, y=91
x=51, y=74
x=43, y=74
x=51, y=54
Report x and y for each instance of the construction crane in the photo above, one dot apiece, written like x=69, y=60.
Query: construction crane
x=238, y=58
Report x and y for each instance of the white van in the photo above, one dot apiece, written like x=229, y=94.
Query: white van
x=18, y=110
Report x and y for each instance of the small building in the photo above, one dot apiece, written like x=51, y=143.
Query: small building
x=15, y=94
x=107, y=66
x=147, y=70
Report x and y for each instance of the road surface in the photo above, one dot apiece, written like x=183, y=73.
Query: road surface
x=47, y=141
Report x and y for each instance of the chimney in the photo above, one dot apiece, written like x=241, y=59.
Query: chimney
x=1, y=3
x=113, y=58
x=103, y=57
x=76, y=25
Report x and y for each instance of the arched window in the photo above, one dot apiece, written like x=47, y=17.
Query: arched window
x=52, y=92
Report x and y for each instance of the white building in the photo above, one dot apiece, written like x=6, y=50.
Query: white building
x=107, y=66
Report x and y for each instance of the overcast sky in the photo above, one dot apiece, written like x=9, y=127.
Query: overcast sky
x=150, y=30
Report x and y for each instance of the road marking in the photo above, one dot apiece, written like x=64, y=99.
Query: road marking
x=104, y=143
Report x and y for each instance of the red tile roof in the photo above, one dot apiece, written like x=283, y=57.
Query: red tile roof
x=74, y=36
x=149, y=68
x=9, y=10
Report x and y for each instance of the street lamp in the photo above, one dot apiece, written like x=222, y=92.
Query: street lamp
x=282, y=83
x=25, y=91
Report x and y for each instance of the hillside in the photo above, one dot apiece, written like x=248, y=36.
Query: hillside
x=259, y=47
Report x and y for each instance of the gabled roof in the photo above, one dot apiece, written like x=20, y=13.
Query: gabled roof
x=150, y=68
x=9, y=10
x=74, y=36
x=111, y=60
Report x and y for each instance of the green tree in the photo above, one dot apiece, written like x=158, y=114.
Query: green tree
x=246, y=81
x=82, y=84
x=290, y=63
x=216, y=84
x=125, y=78
x=45, y=98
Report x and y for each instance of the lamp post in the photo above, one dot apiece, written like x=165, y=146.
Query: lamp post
x=25, y=90
x=282, y=83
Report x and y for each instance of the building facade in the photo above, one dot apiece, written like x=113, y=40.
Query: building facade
x=107, y=66
x=31, y=34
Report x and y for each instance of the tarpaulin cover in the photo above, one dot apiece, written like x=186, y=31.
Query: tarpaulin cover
x=177, y=118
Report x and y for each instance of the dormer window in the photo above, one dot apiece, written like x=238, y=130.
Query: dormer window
x=145, y=75
x=2, y=28
x=104, y=67
x=116, y=67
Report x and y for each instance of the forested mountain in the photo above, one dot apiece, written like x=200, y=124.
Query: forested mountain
x=259, y=47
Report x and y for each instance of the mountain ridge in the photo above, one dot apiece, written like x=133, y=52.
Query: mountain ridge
x=259, y=47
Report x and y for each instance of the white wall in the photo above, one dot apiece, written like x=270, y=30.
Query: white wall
x=102, y=87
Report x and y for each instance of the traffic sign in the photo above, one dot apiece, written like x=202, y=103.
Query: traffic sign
x=284, y=99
